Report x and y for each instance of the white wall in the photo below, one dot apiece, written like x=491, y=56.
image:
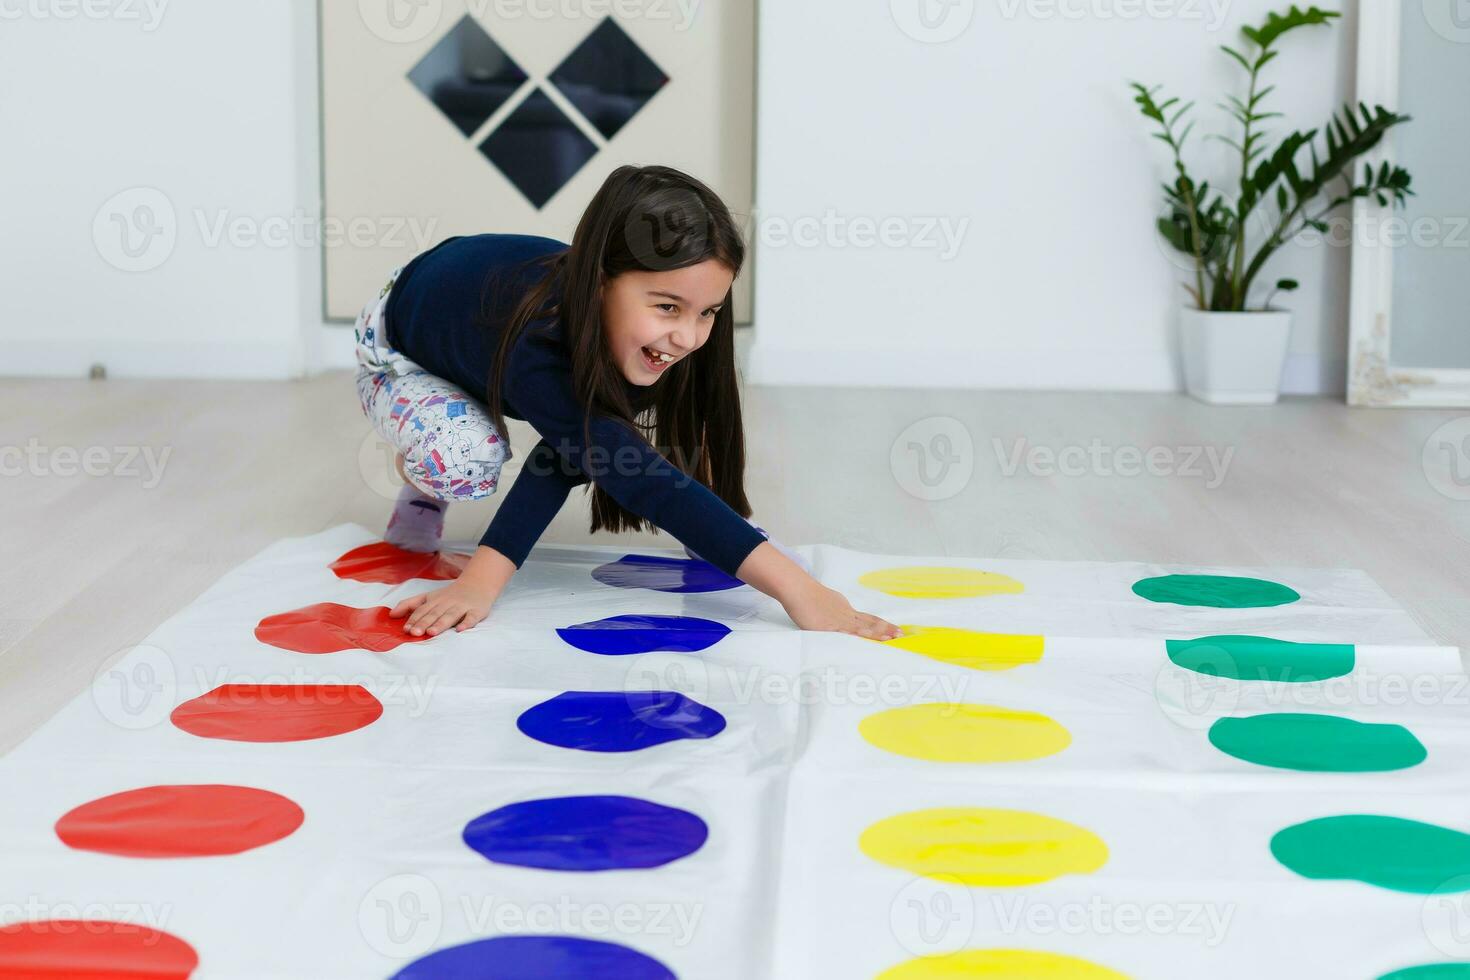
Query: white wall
x=1023, y=126
x=206, y=109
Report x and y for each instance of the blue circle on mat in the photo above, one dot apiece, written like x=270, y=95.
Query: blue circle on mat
x=664, y=574
x=586, y=833
x=616, y=636
x=618, y=721
x=535, y=958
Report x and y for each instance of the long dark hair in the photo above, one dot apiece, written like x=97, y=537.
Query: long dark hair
x=651, y=219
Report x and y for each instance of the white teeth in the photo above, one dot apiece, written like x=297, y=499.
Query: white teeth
x=659, y=355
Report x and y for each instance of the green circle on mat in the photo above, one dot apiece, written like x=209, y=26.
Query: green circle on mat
x=1262, y=658
x=1219, y=591
x=1390, y=852
x=1317, y=743
x=1431, y=971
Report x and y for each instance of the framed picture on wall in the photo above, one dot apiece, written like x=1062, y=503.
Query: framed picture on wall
x=455, y=117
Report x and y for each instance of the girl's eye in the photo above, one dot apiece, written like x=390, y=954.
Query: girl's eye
x=708, y=313
x=668, y=307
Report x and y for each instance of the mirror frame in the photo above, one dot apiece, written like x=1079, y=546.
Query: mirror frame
x=1373, y=379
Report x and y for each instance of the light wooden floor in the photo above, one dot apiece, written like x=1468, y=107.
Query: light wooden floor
x=95, y=562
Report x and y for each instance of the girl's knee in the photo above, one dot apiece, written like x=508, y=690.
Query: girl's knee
x=429, y=490
x=447, y=445
x=423, y=479
x=447, y=475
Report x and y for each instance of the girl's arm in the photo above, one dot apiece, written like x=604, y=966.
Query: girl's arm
x=640, y=479
x=463, y=603
x=809, y=603
x=533, y=500
x=466, y=601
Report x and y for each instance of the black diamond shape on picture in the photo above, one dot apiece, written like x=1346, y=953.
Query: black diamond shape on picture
x=608, y=78
x=538, y=148
x=467, y=75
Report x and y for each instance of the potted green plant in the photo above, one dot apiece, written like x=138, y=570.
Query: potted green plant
x=1234, y=352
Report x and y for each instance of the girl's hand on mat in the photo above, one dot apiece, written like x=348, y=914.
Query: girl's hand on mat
x=459, y=605
x=821, y=608
x=809, y=603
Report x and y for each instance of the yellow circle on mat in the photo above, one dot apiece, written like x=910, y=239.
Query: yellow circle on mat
x=948, y=732
x=933, y=582
x=1000, y=964
x=984, y=847
x=970, y=648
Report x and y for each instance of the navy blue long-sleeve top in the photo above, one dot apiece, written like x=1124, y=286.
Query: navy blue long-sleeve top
x=434, y=317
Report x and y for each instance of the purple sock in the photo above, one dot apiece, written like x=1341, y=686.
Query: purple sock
x=417, y=523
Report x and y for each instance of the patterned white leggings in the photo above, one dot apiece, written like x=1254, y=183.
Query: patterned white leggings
x=451, y=448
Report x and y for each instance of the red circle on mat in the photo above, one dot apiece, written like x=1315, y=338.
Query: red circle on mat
x=278, y=712
x=93, y=949
x=193, y=820
x=328, y=627
x=392, y=565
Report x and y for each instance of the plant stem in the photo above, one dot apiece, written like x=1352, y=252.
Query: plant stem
x=1191, y=207
x=1194, y=240
x=1278, y=238
x=1237, y=294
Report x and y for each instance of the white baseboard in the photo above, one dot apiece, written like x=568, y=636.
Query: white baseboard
x=768, y=364
x=330, y=348
x=1078, y=370
x=145, y=359
x=336, y=348
x=764, y=364
x=1314, y=374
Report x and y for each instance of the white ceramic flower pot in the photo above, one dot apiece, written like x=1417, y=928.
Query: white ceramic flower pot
x=1234, y=358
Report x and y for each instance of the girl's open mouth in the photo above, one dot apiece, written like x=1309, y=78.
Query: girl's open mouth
x=654, y=360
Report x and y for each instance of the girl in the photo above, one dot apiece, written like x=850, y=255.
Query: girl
x=627, y=331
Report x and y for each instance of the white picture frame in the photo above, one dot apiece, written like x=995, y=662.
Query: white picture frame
x=1374, y=380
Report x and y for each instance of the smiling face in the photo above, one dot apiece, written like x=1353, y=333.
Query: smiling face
x=656, y=319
